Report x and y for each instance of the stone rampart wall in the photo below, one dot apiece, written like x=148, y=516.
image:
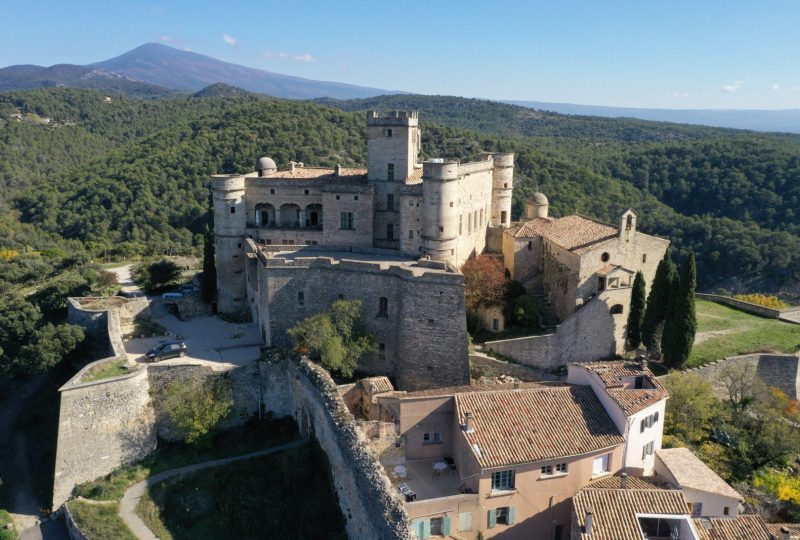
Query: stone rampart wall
x=778, y=370
x=750, y=307
x=307, y=393
x=73, y=530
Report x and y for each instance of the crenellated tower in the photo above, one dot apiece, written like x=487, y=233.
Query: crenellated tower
x=393, y=143
x=229, y=228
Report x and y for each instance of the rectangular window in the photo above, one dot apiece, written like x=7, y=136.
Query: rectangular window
x=301, y=299
x=272, y=192
x=390, y=171
x=346, y=221
x=600, y=464
x=726, y=511
x=389, y=132
x=503, y=480
x=460, y=224
x=547, y=469
x=697, y=510
x=233, y=209
x=496, y=325
x=530, y=245
x=644, y=257
x=647, y=450
x=411, y=234
x=503, y=217
x=561, y=468
x=432, y=438
x=390, y=231
x=501, y=515
x=383, y=307
x=390, y=202
x=382, y=351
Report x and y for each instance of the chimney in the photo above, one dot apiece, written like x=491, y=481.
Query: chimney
x=338, y=170
x=291, y=166
x=587, y=522
x=623, y=480
x=468, y=419
x=785, y=534
x=516, y=385
x=643, y=360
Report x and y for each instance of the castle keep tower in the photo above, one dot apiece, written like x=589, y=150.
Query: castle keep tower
x=502, y=186
x=393, y=143
x=229, y=225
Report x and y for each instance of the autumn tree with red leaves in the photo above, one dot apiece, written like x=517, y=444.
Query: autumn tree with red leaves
x=484, y=281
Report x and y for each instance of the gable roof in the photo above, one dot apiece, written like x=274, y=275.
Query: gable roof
x=631, y=482
x=535, y=424
x=744, y=527
x=775, y=530
x=576, y=233
x=690, y=472
x=631, y=400
x=615, y=510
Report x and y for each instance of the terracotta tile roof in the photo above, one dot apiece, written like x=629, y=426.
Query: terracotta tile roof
x=633, y=482
x=415, y=177
x=611, y=268
x=615, y=510
x=535, y=424
x=691, y=472
x=744, y=527
x=453, y=390
x=531, y=229
x=775, y=530
x=576, y=233
x=318, y=172
x=631, y=400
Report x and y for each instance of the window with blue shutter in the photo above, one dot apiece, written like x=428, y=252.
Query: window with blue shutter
x=464, y=521
x=446, y=526
x=425, y=530
x=512, y=514
x=492, y=519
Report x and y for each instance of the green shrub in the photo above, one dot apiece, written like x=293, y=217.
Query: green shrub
x=763, y=300
x=6, y=534
x=526, y=311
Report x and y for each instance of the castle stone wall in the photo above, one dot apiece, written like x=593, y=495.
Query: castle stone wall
x=423, y=331
x=589, y=334
x=749, y=307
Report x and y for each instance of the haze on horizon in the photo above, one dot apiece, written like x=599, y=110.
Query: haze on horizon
x=678, y=55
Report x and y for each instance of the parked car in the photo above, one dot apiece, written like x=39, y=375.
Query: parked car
x=173, y=295
x=167, y=349
x=188, y=288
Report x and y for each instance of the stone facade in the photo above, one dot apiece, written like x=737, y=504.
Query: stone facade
x=781, y=371
x=422, y=343
x=444, y=210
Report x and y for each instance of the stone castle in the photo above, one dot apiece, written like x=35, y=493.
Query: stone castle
x=290, y=241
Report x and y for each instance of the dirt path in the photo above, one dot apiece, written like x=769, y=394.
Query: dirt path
x=127, y=507
x=124, y=278
x=703, y=336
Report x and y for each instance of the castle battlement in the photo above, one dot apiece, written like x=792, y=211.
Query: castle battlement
x=394, y=118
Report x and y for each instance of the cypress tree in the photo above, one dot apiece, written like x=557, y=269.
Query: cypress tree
x=681, y=325
x=209, y=281
x=636, y=313
x=657, y=302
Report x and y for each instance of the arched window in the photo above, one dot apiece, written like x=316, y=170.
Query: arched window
x=265, y=215
x=290, y=215
x=629, y=222
x=616, y=309
x=383, y=307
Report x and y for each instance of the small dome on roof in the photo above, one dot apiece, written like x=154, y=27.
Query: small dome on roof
x=265, y=164
x=538, y=198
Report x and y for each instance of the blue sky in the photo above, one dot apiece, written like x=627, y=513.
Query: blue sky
x=644, y=53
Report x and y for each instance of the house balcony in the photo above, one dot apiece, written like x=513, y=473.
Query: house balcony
x=294, y=225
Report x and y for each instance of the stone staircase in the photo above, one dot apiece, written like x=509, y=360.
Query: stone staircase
x=550, y=320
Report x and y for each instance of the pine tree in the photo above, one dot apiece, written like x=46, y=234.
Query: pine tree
x=657, y=302
x=636, y=313
x=209, y=281
x=681, y=324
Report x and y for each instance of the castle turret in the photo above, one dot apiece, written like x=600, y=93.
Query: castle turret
x=229, y=225
x=502, y=186
x=440, y=213
x=627, y=225
x=537, y=206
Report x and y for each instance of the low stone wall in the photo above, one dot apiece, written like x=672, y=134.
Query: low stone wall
x=772, y=313
x=778, y=370
x=73, y=530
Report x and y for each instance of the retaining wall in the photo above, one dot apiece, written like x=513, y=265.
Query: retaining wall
x=772, y=313
x=778, y=370
x=73, y=530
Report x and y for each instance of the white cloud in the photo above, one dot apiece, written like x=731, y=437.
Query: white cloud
x=304, y=58
x=733, y=87
x=679, y=94
x=775, y=87
x=166, y=39
x=795, y=88
x=230, y=40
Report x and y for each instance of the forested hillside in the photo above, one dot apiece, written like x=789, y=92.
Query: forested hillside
x=129, y=176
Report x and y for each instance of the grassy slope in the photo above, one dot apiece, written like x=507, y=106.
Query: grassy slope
x=284, y=495
x=723, y=331
x=100, y=521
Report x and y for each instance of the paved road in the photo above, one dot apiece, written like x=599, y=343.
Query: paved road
x=127, y=507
